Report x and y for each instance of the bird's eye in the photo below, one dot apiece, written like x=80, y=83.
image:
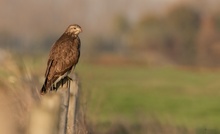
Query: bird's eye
x=74, y=28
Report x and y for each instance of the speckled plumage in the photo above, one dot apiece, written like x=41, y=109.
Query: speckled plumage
x=64, y=56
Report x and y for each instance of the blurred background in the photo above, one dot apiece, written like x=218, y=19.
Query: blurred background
x=147, y=66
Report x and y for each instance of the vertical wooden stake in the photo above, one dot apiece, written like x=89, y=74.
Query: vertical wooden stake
x=71, y=121
x=64, y=92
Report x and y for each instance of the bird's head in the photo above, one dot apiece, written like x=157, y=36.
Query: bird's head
x=73, y=29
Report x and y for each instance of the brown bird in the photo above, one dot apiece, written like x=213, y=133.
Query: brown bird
x=63, y=57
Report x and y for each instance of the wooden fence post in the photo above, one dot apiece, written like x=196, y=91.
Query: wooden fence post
x=64, y=92
x=71, y=121
x=56, y=112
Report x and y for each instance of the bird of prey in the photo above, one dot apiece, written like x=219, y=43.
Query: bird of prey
x=63, y=57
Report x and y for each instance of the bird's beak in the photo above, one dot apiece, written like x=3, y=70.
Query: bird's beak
x=81, y=30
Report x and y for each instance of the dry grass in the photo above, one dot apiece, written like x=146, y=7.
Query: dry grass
x=19, y=91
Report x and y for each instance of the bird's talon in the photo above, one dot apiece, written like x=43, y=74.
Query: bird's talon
x=69, y=78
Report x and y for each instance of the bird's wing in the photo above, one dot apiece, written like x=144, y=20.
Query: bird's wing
x=62, y=58
x=49, y=63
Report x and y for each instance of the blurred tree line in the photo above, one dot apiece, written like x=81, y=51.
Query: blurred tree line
x=183, y=36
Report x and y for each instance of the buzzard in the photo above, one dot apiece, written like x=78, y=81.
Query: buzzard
x=63, y=57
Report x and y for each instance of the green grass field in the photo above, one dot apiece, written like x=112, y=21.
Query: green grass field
x=189, y=99
x=170, y=95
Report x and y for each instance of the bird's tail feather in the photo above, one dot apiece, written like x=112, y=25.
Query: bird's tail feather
x=44, y=89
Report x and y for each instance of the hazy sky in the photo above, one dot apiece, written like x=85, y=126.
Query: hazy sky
x=43, y=15
x=35, y=18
